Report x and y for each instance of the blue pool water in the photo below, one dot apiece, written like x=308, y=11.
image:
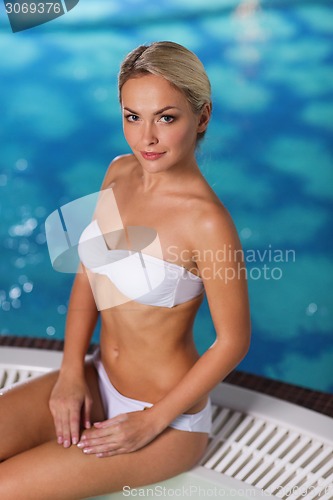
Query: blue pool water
x=268, y=155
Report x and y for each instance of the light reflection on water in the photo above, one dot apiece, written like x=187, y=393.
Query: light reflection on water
x=268, y=156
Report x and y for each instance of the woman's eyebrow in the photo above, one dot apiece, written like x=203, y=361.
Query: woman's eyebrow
x=160, y=111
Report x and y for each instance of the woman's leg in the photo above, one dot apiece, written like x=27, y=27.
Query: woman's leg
x=52, y=472
x=39, y=468
x=25, y=417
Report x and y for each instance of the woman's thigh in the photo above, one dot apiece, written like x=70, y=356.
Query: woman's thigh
x=53, y=472
x=25, y=417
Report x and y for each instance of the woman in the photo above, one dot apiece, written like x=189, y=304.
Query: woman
x=82, y=432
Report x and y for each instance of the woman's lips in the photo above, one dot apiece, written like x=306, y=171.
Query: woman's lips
x=151, y=156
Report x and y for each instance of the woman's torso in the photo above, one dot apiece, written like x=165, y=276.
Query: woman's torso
x=146, y=350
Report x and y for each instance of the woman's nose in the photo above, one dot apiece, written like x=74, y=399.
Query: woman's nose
x=149, y=134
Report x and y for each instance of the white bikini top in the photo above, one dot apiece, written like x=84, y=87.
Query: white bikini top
x=140, y=277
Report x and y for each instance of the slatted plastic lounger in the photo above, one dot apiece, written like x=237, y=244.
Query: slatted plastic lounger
x=260, y=446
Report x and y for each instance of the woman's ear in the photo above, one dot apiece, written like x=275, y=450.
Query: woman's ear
x=204, y=117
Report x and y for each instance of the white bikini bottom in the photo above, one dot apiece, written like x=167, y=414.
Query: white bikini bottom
x=115, y=403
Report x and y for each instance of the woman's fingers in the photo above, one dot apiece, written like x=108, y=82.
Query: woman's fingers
x=100, y=445
x=122, y=417
x=74, y=423
x=109, y=437
x=66, y=433
x=121, y=434
x=58, y=428
x=57, y=418
x=97, y=443
x=68, y=402
x=67, y=425
x=99, y=434
x=100, y=440
x=87, y=412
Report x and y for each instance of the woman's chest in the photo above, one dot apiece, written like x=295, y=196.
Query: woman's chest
x=156, y=226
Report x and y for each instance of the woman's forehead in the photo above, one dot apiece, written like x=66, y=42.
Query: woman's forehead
x=151, y=91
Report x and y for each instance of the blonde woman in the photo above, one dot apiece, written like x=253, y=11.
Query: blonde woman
x=139, y=412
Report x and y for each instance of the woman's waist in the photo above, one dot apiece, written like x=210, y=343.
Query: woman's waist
x=140, y=389
x=146, y=374
x=155, y=336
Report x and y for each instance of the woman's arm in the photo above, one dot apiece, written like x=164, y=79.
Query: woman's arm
x=81, y=320
x=221, y=266
x=82, y=312
x=71, y=393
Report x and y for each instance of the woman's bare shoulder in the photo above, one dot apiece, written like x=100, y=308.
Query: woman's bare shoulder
x=119, y=166
x=212, y=220
x=206, y=206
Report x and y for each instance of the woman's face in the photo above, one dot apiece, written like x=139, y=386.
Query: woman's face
x=159, y=124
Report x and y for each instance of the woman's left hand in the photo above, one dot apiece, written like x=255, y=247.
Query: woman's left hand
x=121, y=434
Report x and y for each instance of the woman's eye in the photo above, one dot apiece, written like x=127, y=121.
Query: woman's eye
x=167, y=118
x=131, y=118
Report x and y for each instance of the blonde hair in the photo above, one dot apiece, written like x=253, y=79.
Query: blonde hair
x=181, y=67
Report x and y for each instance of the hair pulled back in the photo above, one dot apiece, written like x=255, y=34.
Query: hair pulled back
x=181, y=67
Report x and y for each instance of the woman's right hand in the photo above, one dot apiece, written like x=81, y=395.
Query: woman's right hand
x=70, y=398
